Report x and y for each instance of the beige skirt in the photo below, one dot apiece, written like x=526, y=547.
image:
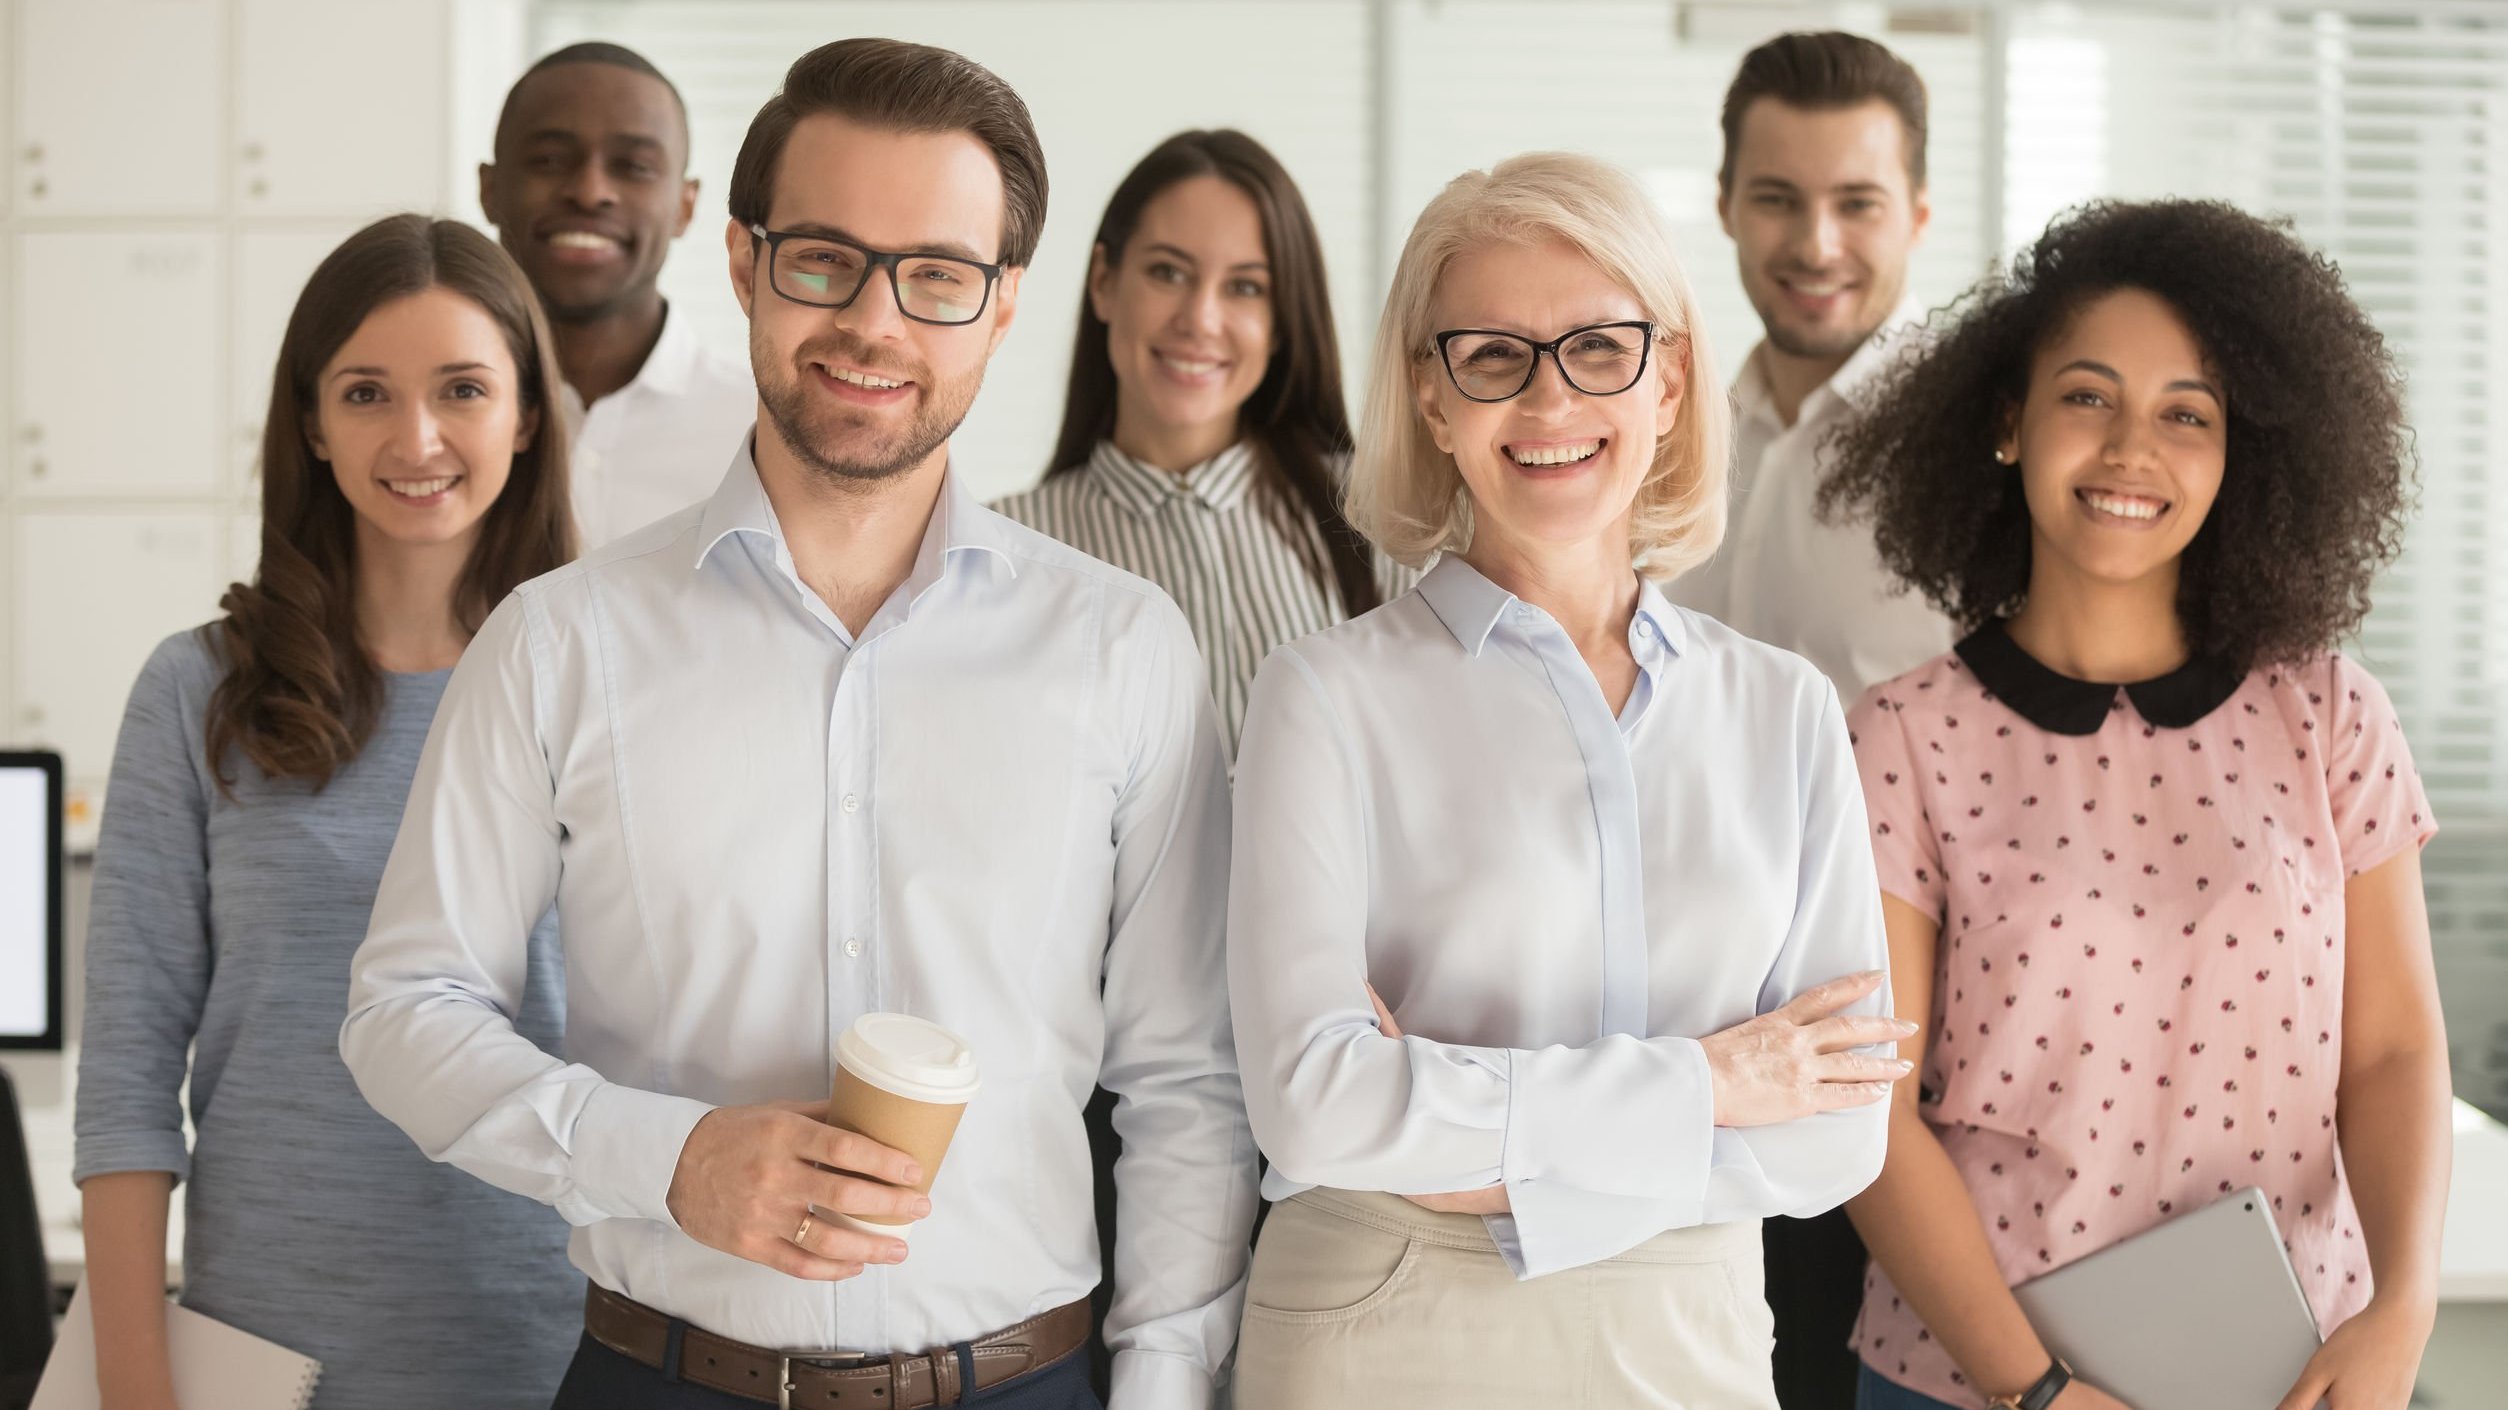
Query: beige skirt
x=1370, y=1301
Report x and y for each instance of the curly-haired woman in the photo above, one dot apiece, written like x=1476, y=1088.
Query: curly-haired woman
x=412, y=475
x=2149, y=849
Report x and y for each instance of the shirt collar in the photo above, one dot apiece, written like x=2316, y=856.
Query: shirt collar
x=1852, y=378
x=666, y=369
x=1471, y=607
x=1220, y=482
x=2059, y=704
x=961, y=531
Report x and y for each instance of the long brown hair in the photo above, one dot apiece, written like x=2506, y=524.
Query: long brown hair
x=1296, y=416
x=300, y=697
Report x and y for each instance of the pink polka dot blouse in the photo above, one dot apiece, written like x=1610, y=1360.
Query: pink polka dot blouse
x=2138, y=986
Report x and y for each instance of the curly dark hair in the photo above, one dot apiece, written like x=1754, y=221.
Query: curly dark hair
x=2317, y=478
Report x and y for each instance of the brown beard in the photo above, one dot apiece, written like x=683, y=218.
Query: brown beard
x=820, y=440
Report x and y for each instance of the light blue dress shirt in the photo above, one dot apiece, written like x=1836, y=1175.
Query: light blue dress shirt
x=1555, y=903
x=1002, y=806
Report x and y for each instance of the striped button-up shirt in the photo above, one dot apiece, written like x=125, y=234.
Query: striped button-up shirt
x=1236, y=551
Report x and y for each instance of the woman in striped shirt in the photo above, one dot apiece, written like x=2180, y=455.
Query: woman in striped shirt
x=1204, y=436
x=1204, y=433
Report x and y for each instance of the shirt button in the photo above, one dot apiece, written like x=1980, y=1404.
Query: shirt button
x=851, y=804
x=1644, y=627
x=853, y=949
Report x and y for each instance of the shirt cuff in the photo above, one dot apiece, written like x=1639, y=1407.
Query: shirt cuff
x=1554, y=1228
x=1158, y=1380
x=1646, y=1131
x=114, y=1152
x=626, y=1149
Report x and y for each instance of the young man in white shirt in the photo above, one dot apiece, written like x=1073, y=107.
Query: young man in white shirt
x=589, y=188
x=839, y=740
x=1823, y=192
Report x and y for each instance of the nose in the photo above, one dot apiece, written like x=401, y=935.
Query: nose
x=2131, y=444
x=1197, y=313
x=417, y=436
x=588, y=186
x=876, y=313
x=1549, y=392
x=1817, y=237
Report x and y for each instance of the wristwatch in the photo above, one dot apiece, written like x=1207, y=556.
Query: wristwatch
x=2041, y=1392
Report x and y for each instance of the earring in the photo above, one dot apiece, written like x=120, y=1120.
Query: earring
x=2002, y=457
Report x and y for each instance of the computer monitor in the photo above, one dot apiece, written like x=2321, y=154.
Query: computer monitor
x=30, y=901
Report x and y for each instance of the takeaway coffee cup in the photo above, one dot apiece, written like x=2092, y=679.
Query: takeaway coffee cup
x=903, y=1082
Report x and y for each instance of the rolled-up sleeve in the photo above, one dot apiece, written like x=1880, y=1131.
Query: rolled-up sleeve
x=148, y=932
x=430, y=1034
x=1184, y=1185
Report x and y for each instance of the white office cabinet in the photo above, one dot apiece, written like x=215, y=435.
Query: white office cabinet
x=93, y=593
x=117, y=351
x=319, y=133
x=271, y=267
x=119, y=107
x=243, y=544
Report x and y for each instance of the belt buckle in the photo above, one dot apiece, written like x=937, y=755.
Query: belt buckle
x=824, y=1360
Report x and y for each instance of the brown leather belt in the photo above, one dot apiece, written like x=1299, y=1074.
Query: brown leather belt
x=832, y=1380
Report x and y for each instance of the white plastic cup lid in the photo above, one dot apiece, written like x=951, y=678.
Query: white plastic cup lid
x=912, y=1057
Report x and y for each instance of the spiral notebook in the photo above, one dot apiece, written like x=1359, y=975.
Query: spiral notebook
x=216, y=1367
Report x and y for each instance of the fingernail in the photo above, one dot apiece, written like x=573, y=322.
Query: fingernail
x=1904, y=1066
x=896, y=1252
x=1904, y=1026
x=913, y=1175
x=922, y=1207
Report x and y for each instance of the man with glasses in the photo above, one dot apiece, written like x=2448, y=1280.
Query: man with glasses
x=1823, y=192
x=588, y=191
x=839, y=741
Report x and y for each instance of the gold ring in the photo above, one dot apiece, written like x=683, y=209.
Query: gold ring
x=801, y=1235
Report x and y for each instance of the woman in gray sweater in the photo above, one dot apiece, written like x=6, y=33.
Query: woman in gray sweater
x=411, y=478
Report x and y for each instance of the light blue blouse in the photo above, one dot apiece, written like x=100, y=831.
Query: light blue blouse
x=1555, y=903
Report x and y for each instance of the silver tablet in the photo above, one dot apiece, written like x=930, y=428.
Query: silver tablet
x=2200, y=1313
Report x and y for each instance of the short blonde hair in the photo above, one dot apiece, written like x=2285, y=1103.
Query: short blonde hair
x=1405, y=494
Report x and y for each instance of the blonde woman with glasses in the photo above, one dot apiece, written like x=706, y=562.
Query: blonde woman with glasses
x=1552, y=941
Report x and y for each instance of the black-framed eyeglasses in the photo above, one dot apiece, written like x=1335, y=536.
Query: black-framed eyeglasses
x=827, y=271
x=1600, y=359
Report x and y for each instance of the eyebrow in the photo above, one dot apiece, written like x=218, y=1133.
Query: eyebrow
x=1187, y=257
x=950, y=248
x=2182, y=384
x=444, y=371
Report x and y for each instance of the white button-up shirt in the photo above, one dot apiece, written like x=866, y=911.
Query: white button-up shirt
x=1555, y=903
x=1002, y=807
x=656, y=445
x=1784, y=576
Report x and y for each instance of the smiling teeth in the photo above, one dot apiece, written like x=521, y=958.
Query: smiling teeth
x=863, y=379
x=2123, y=508
x=1188, y=366
x=1557, y=455
x=582, y=240
x=420, y=489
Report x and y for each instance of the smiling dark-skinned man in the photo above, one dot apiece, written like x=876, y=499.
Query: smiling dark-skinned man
x=588, y=191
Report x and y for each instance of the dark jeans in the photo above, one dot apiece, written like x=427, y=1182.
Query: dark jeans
x=1815, y=1288
x=601, y=1379
x=1874, y=1391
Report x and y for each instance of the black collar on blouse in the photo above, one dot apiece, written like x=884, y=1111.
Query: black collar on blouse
x=2059, y=704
